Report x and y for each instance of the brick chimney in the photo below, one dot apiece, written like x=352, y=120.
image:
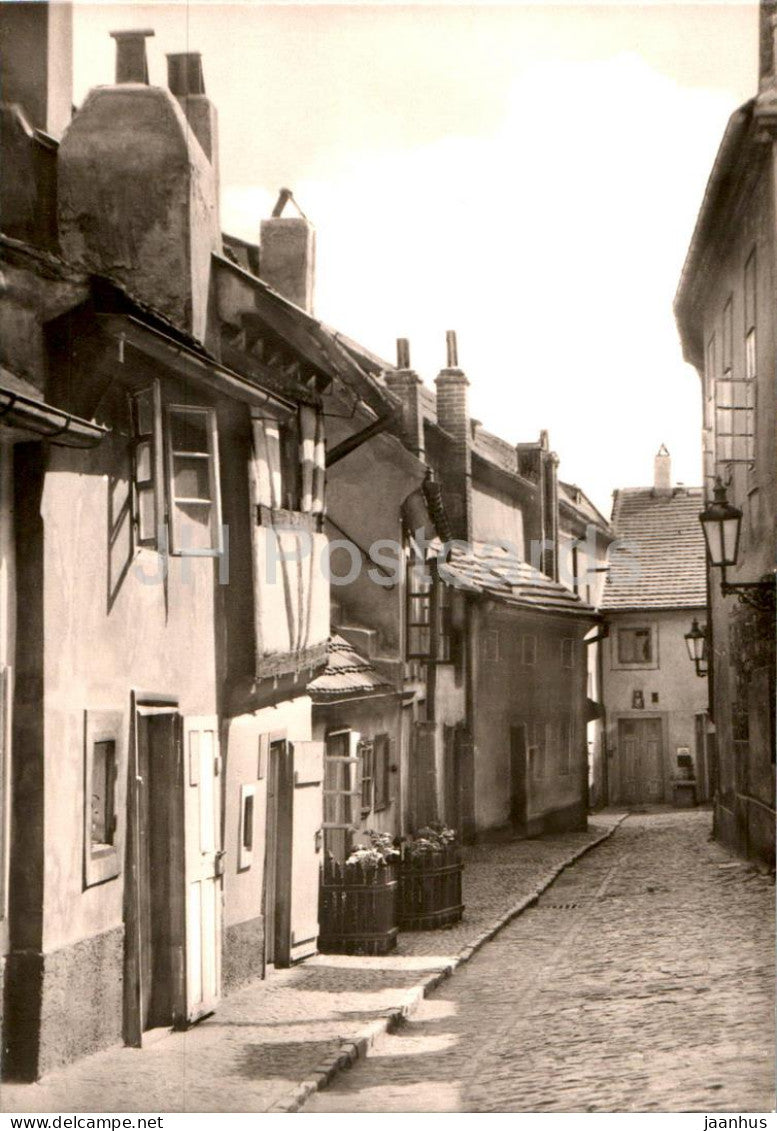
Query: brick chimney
x=453, y=418
x=287, y=254
x=137, y=200
x=549, y=472
x=662, y=472
x=36, y=62
x=406, y=383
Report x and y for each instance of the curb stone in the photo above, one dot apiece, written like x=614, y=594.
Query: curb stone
x=356, y=1048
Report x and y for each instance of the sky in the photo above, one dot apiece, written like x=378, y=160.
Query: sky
x=525, y=174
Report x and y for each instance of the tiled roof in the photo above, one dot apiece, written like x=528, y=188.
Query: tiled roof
x=658, y=560
x=347, y=675
x=576, y=498
x=497, y=572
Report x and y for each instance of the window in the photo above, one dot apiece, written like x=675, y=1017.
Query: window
x=733, y=406
x=147, y=490
x=366, y=753
x=708, y=430
x=382, y=769
x=102, y=803
x=442, y=622
x=341, y=797
x=289, y=465
x=489, y=645
x=635, y=646
x=565, y=747
x=193, y=481
x=419, y=590
x=567, y=653
x=246, y=831
x=528, y=650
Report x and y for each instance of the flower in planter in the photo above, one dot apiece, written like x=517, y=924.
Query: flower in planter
x=379, y=851
x=430, y=839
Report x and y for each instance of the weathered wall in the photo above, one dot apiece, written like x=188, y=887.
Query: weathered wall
x=495, y=516
x=137, y=199
x=510, y=692
x=671, y=677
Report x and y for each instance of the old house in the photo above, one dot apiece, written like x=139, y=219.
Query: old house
x=656, y=704
x=502, y=638
x=724, y=308
x=163, y=585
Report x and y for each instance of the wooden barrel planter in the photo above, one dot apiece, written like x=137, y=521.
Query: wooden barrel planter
x=430, y=889
x=357, y=908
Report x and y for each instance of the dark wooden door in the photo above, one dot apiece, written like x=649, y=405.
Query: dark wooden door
x=519, y=768
x=641, y=758
x=154, y=910
x=278, y=856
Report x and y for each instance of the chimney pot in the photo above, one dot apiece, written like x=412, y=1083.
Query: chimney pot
x=452, y=349
x=184, y=74
x=131, y=62
x=403, y=353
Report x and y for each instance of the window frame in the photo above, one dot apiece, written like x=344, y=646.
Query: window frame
x=102, y=859
x=418, y=591
x=350, y=763
x=366, y=754
x=630, y=665
x=216, y=548
x=155, y=483
x=246, y=830
x=382, y=772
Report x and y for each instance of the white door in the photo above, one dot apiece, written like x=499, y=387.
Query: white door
x=308, y=763
x=203, y=857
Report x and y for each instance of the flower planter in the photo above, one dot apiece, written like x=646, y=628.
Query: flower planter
x=357, y=908
x=430, y=889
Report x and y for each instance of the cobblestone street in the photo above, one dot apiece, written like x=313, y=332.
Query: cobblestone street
x=642, y=981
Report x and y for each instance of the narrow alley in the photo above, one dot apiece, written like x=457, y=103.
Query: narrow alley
x=642, y=981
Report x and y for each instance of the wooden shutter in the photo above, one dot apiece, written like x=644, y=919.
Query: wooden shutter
x=308, y=765
x=307, y=451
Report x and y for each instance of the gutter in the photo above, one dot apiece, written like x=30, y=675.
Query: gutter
x=53, y=424
x=154, y=343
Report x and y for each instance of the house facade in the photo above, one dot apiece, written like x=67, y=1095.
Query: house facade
x=657, y=725
x=724, y=309
x=164, y=583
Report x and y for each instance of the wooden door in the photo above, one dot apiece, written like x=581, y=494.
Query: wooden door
x=519, y=768
x=154, y=992
x=641, y=760
x=203, y=864
x=278, y=856
x=308, y=769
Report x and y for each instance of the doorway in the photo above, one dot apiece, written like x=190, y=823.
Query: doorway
x=278, y=858
x=641, y=757
x=519, y=769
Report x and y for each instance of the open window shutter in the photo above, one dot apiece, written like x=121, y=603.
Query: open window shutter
x=267, y=461
x=307, y=444
x=308, y=763
x=319, y=470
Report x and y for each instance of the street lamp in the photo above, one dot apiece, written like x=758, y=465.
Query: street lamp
x=722, y=524
x=696, y=643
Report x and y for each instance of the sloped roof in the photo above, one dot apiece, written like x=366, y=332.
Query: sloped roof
x=498, y=572
x=576, y=498
x=658, y=561
x=347, y=675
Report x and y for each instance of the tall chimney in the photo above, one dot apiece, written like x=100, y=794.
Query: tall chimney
x=137, y=200
x=406, y=384
x=36, y=62
x=453, y=418
x=766, y=53
x=187, y=83
x=662, y=473
x=287, y=254
x=131, y=61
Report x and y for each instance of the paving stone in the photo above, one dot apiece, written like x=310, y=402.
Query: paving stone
x=642, y=981
x=269, y=1038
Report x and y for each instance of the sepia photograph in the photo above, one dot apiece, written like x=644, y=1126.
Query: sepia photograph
x=388, y=533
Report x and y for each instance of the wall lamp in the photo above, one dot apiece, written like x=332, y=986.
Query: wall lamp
x=696, y=643
x=722, y=524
